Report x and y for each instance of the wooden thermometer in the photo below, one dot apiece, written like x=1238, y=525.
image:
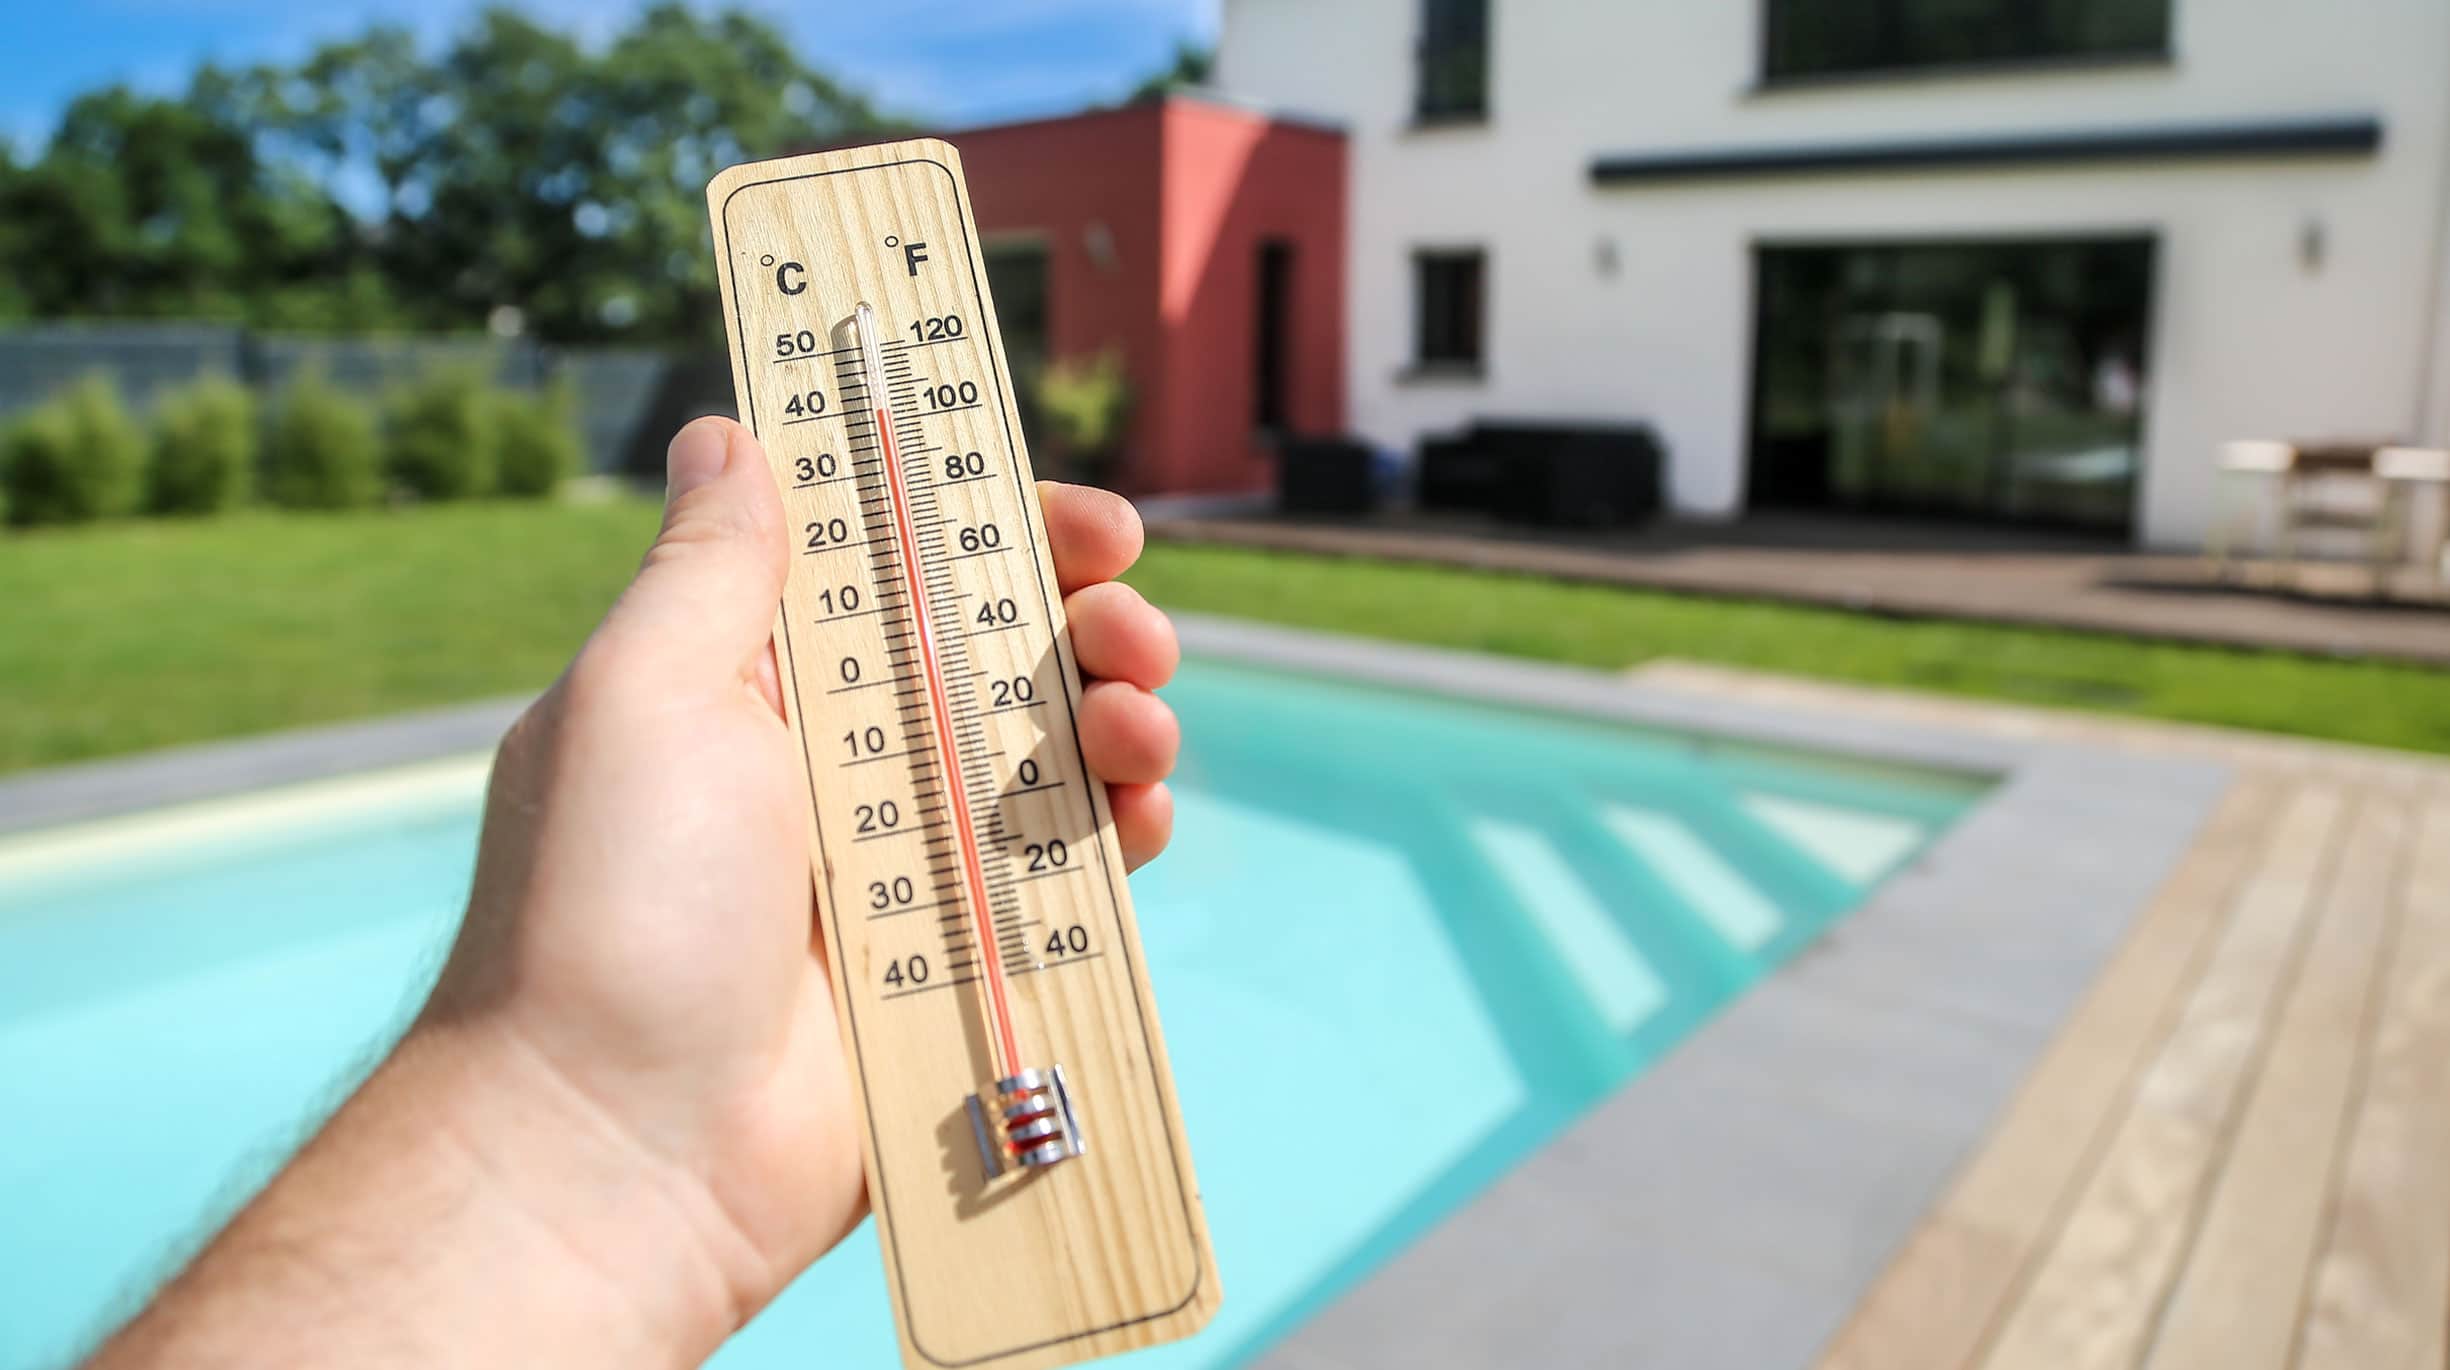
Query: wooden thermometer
x=1026, y=1160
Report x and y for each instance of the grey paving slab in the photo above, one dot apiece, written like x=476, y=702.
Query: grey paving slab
x=1813, y=1036
x=178, y=775
x=1612, y=1289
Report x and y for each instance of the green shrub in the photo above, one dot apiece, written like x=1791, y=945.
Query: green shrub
x=438, y=435
x=536, y=440
x=24, y=444
x=1085, y=405
x=77, y=456
x=203, y=449
x=321, y=452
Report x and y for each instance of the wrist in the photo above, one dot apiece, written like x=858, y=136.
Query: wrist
x=570, y=1196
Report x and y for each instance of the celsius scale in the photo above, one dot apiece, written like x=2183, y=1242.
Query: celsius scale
x=1025, y=1157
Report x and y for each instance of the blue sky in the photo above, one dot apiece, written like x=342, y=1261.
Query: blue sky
x=954, y=61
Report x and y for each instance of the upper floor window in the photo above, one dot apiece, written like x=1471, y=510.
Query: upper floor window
x=1834, y=37
x=1454, y=57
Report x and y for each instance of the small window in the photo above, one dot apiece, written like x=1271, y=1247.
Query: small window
x=1449, y=291
x=1454, y=58
x=1807, y=38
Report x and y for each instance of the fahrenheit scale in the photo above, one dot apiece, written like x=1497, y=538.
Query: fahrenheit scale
x=1032, y=1188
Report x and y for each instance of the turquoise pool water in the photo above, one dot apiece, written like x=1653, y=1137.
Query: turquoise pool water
x=1360, y=880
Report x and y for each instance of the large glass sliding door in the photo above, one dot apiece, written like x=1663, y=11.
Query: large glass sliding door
x=1988, y=379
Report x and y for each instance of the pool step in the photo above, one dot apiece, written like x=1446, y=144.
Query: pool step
x=1760, y=893
x=1613, y=927
x=1619, y=981
x=1707, y=882
x=1509, y=958
x=1854, y=845
x=1641, y=896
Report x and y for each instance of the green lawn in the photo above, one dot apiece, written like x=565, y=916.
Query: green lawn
x=139, y=635
x=136, y=635
x=1590, y=625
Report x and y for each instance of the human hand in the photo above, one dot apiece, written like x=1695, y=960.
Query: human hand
x=640, y=937
x=622, y=1123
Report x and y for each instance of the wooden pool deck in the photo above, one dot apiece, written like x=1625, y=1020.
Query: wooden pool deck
x=2235, y=1155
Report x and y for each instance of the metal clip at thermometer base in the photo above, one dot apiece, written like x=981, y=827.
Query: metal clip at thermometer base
x=970, y=891
x=1031, y=1121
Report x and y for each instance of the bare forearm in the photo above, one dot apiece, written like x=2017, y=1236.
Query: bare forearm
x=625, y=1123
x=459, y=1210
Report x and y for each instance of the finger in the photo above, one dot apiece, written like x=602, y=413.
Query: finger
x=1094, y=534
x=1143, y=821
x=1119, y=636
x=705, y=594
x=1128, y=735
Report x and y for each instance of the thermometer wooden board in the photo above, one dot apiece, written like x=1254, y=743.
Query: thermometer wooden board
x=1032, y=1186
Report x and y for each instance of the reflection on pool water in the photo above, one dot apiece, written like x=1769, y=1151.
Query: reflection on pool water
x=1362, y=881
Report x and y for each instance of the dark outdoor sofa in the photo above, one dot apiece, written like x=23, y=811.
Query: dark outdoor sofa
x=1325, y=475
x=1557, y=474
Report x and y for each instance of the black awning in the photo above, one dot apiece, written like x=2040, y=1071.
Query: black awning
x=2337, y=136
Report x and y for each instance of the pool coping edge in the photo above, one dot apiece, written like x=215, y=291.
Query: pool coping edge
x=122, y=787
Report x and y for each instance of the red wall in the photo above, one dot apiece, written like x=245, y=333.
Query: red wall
x=1233, y=180
x=1186, y=192
x=1058, y=180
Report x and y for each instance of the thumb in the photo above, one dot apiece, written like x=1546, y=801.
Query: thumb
x=706, y=594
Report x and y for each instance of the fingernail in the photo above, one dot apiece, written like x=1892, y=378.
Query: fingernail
x=697, y=455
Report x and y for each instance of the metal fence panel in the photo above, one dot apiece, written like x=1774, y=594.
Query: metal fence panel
x=624, y=396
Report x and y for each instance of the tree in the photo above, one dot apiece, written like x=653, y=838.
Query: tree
x=1190, y=68
x=145, y=205
x=376, y=183
x=688, y=95
x=369, y=103
x=491, y=220
x=520, y=169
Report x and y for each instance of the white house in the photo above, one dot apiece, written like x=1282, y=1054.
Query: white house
x=1999, y=259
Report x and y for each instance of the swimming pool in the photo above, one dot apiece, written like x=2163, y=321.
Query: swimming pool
x=1361, y=880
